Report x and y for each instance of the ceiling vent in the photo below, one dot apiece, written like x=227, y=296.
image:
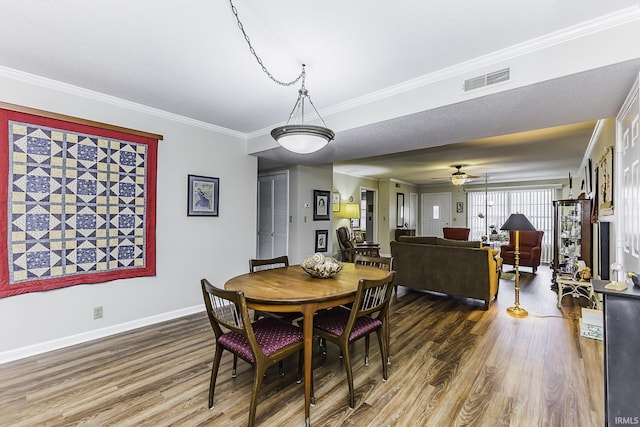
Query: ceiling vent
x=487, y=79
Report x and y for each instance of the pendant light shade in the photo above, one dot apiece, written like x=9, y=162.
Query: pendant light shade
x=302, y=139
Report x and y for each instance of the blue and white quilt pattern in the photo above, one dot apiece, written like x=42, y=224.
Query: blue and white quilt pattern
x=76, y=203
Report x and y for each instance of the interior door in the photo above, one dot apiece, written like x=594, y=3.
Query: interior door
x=273, y=212
x=436, y=213
x=628, y=159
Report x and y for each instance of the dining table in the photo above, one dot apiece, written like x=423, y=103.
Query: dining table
x=292, y=290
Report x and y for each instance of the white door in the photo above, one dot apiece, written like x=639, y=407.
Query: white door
x=413, y=211
x=273, y=212
x=628, y=160
x=436, y=213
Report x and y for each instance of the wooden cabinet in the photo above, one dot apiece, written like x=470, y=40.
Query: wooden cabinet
x=571, y=235
x=621, y=350
x=404, y=232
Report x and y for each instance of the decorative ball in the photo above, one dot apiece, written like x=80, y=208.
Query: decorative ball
x=320, y=266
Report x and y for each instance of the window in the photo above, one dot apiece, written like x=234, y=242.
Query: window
x=492, y=208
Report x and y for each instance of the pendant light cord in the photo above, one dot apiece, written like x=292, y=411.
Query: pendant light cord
x=253, y=52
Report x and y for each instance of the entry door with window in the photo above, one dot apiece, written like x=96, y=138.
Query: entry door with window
x=273, y=211
x=436, y=213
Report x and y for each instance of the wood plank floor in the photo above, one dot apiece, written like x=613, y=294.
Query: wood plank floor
x=453, y=364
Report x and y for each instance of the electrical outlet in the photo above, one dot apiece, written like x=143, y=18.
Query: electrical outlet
x=97, y=312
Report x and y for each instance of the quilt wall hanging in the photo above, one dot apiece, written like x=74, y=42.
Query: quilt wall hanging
x=78, y=201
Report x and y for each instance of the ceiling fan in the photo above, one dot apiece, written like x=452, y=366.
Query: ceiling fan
x=459, y=177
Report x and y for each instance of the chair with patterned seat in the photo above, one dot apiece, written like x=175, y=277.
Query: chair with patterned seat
x=369, y=313
x=385, y=263
x=261, y=343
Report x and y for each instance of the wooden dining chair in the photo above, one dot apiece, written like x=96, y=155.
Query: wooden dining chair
x=369, y=313
x=379, y=261
x=385, y=263
x=261, y=343
x=268, y=264
x=255, y=265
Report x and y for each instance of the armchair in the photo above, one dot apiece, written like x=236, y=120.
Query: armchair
x=456, y=233
x=530, y=248
x=348, y=248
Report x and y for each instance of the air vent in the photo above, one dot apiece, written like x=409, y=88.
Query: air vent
x=487, y=79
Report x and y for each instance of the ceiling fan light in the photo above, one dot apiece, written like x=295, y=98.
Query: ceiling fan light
x=458, y=178
x=301, y=138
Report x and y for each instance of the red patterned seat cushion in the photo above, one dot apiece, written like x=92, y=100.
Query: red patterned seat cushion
x=335, y=320
x=271, y=335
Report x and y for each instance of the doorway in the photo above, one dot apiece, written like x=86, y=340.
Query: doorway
x=273, y=211
x=368, y=213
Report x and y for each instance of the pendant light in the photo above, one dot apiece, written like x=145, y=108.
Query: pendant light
x=300, y=137
x=295, y=135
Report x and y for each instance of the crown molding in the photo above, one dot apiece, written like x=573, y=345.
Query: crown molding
x=112, y=100
x=586, y=28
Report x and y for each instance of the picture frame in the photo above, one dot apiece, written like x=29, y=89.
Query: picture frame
x=335, y=202
x=400, y=210
x=202, y=195
x=321, y=205
x=322, y=236
x=605, y=183
x=588, y=187
x=459, y=207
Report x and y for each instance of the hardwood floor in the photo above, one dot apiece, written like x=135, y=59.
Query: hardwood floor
x=452, y=364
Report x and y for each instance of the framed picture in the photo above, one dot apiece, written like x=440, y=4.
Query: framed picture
x=202, y=197
x=321, y=205
x=459, y=207
x=335, y=202
x=605, y=183
x=321, y=240
x=400, y=210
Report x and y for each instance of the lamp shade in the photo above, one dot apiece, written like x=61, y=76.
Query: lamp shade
x=350, y=210
x=517, y=221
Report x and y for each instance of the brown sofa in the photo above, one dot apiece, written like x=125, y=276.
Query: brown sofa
x=452, y=267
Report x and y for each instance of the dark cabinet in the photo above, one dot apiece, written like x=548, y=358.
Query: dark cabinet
x=571, y=235
x=621, y=350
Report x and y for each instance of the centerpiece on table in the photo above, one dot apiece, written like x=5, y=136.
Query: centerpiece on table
x=320, y=266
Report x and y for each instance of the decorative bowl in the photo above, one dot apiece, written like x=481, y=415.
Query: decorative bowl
x=320, y=266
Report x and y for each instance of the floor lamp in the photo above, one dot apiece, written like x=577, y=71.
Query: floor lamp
x=517, y=222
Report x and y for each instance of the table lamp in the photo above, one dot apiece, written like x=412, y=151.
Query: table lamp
x=350, y=211
x=517, y=222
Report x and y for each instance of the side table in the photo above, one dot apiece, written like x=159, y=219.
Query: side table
x=577, y=289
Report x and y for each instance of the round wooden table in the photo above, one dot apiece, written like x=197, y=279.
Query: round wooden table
x=291, y=290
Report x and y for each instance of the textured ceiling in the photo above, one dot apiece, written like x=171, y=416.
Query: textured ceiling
x=190, y=59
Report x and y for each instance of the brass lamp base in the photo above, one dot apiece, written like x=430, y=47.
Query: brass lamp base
x=517, y=312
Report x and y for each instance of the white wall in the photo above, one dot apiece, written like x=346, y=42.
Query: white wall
x=187, y=248
x=303, y=180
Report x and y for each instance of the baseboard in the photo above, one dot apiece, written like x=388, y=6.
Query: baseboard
x=35, y=349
